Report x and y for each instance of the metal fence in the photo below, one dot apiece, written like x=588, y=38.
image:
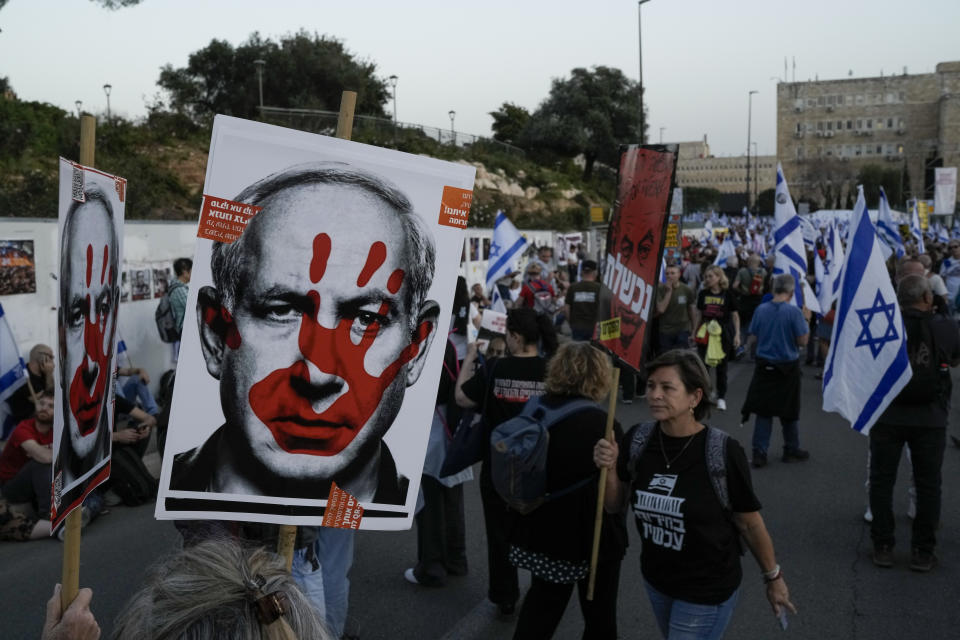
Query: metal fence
x=378, y=130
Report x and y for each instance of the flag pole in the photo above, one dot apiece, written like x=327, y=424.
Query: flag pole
x=70, y=576
x=348, y=102
x=602, y=489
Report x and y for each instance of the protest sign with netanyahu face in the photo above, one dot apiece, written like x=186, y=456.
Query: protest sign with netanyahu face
x=635, y=244
x=90, y=251
x=308, y=368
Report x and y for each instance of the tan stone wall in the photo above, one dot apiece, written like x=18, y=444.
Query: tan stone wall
x=901, y=119
x=727, y=175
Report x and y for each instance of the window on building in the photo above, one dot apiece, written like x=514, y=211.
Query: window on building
x=899, y=149
x=830, y=125
x=799, y=127
x=889, y=123
x=869, y=123
x=903, y=96
x=900, y=123
x=821, y=101
x=839, y=125
x=868, y=150
x=860, y=99
x=859, y=123
x=820, y=126
x=831, y=100
x=849, y=100
x=880, y=123
x=856, y=150
x=849, y=124
x=811, y=102
x=799, y=153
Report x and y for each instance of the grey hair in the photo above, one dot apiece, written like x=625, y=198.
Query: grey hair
x=912, y=289
x=92, y=193
x=226, y=261
x=784, y=283
x=201, y=593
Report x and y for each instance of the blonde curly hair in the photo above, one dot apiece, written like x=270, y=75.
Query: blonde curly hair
x=578, y=369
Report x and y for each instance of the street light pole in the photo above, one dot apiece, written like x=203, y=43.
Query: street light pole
x=79, y=104
x=661, y=134
x=107, y=89
x=453, y=131
x=749, y=118
x=258, y=63
x=393, y=89
x=640, y=48
x=756, y=178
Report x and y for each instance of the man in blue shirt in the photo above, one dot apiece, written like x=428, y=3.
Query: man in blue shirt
x=780, y=330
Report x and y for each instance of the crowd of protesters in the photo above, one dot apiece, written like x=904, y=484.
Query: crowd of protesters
x=708, y=312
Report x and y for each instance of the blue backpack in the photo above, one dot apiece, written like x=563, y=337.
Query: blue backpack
x=518, y=454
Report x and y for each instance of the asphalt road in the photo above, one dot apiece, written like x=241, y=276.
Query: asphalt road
x=813, y=511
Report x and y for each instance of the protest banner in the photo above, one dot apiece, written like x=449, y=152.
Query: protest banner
x=635, y=244
x=494, y=321
x=322, y=272
x=91, y=214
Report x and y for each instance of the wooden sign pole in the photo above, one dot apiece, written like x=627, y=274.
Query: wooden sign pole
x=348, y=102
x=70, y=577
x=602, y=489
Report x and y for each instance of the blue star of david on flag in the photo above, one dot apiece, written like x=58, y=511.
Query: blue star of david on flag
x=494, y=250
x=866, y=336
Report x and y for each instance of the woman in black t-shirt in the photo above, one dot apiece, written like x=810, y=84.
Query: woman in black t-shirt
x=554, y=541
x=691, y=551
x=501, y=392
x=716, y=302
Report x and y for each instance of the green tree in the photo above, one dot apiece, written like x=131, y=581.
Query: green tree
x=700, y=199
x=765, y=203
x=301, y=70
x=508, y=122
x=591, y=113
x=874, y=176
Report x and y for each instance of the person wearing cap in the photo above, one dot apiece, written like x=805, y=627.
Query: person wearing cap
x=580, y=306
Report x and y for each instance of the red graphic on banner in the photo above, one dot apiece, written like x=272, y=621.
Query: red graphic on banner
x=224, y=220
x=279, y=401
x=634, y=243
x=90, y=379
x=343, y=510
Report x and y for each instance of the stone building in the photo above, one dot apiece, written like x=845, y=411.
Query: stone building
x=828, y=130
x=697, y=168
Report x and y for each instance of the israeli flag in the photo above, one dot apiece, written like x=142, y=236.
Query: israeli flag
x=942, y=235
x=828, y=280
x=726, y=251
x=13, y=372
x=809, y=233
x=791, y=256
x=887, y=228
x=663, y=270
x=915, y=229
x=505, y=249
x=867, y=365
x=496, y=301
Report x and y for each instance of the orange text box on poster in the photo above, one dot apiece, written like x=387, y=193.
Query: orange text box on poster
x=224, y=220
x=455, y=207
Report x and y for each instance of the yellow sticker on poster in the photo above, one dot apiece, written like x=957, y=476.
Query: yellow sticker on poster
x=610, y=329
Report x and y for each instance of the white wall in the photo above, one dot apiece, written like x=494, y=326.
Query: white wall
x=32, y=316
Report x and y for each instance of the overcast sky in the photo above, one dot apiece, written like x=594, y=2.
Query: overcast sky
x=700, y=57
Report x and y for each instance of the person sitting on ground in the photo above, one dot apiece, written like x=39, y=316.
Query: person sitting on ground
x=554, y=541
x=691, y=516
x=25, y=463
x=215, y=590
x=40, y=370
x=135, y=388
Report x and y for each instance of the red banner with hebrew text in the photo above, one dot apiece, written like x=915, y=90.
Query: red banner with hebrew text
x=635, y=242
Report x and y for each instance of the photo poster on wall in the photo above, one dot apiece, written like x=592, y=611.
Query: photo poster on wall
x=319, y=302
x=89, y=245
x=18, y=267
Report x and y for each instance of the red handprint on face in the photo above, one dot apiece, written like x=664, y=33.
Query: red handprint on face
x=90, y=379
x=283, y=400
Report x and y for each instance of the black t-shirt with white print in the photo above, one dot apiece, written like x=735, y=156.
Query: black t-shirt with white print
x=506, y=384
x=691, y=548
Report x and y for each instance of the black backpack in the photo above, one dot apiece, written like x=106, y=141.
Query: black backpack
x=929, y=369
x=130, y=479
x=166, y=320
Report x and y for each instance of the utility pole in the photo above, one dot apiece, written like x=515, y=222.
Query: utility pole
x=749, y=118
